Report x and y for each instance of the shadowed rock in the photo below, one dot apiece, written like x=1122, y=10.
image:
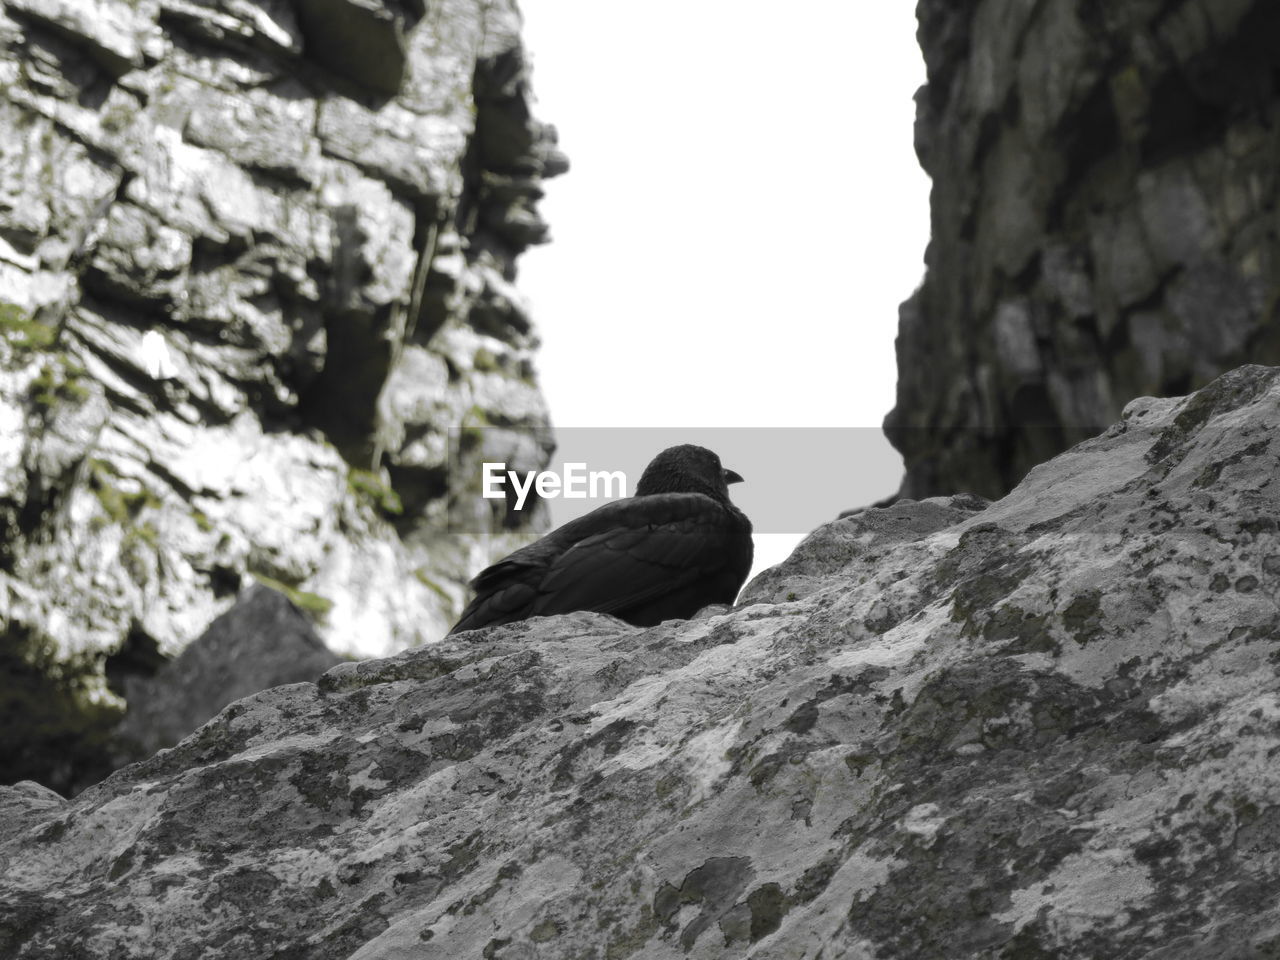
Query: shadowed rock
x=1103, y=224
x=261, y=642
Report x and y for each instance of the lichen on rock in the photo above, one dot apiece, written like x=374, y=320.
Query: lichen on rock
x=947, y=729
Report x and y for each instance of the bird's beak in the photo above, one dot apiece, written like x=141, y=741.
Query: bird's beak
x=732, y=476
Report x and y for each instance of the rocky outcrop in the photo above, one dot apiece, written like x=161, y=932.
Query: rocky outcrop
x=1043, y=727
x=1103, y=223
x=263, y=641
x=256, y=262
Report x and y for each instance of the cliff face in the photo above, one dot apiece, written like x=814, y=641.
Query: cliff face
x=1103, y=211
x=1043, y=727
x=255, y=260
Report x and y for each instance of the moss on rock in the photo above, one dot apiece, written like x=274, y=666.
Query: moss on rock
x=375, y=491
x=313, y=604
x=23, y=334
x=53, y=729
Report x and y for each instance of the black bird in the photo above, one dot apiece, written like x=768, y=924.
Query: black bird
x=676, y=546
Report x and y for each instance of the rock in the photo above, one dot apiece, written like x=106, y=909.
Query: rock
x=263, y=641
x=113, y=32
x=362, y=40
x=1040, y=727
x=1108, y=173
x=231, y=234
x=26, y=803
x=48, y=728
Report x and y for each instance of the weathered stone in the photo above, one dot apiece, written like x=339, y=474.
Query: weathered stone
x=25, y=804
x=271, y=130
x=1016, y=341
x=267, y=25
x=394, y=144
x=1125, y=267
x=220, y=227
x=113, y=32
x=1040, y=727
x=261, y=642
x=1067, y=278
x=1176, y=217
x=1111, y=166
x=362, y=40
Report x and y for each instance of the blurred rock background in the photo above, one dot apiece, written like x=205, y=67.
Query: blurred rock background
x=256, y=261
x=1103, y=223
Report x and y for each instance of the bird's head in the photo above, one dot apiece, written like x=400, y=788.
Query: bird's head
x=687, y=469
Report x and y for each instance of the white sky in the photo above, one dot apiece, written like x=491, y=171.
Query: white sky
x=743, y=215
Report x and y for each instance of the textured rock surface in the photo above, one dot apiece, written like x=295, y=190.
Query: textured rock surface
x=263, y=641
x=1043, y=728
x=256, y=258
x=1103, y=223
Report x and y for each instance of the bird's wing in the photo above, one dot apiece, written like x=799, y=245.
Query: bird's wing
x=645, y=548
x=613, y=559
x=542, y=552
x=506, y=590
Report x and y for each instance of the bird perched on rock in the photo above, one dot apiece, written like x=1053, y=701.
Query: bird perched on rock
x=676, y=546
